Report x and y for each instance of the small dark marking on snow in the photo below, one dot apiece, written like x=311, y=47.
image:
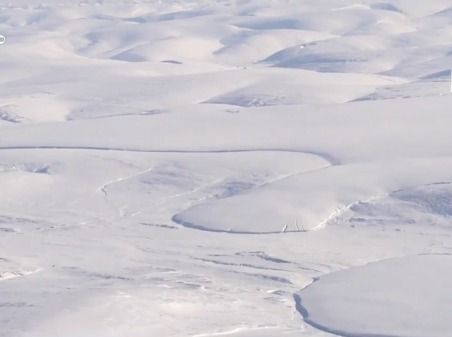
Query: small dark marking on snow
x=243, y=265
x=159, y=225
x=171, y=62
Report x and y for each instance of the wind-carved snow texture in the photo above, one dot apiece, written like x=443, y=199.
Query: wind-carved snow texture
x=217, y=168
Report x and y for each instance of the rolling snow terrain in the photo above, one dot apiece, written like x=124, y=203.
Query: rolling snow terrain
x=236, y=168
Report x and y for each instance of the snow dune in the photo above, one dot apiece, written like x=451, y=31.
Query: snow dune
x=393, y=297
x=183, y=168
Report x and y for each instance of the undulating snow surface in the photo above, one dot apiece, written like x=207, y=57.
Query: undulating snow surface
x=255, y=168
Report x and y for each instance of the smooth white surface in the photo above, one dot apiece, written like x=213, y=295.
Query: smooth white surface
x=395, y=297
x=185, y=168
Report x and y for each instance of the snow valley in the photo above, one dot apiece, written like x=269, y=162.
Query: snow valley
x=203, y=168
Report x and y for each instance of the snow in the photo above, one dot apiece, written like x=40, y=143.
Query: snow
x=229, y=168
x=395, y=297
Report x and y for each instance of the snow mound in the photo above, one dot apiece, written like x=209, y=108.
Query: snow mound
x=403, y=297
x=366, y=54
x=419, y=207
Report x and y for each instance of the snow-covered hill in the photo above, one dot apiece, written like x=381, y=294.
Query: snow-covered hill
x=200, y=168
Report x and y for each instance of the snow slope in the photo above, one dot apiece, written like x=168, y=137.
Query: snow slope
x=389, y=298
x=225, y=168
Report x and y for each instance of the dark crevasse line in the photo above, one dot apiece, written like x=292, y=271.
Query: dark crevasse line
x=333, y=161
